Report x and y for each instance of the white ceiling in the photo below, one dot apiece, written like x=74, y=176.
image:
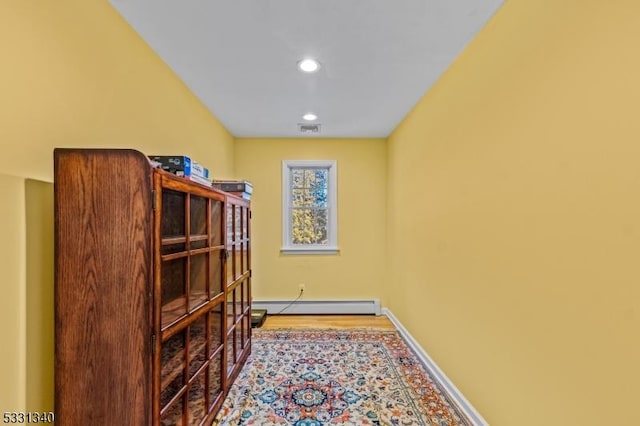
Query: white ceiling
x=239, y=57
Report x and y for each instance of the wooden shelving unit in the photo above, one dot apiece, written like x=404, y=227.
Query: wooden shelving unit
x=152, y=292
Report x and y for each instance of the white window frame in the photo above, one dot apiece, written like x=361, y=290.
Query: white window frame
x=332, y=235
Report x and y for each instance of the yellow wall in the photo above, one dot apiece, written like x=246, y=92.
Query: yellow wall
x=39, y=294
x=358, y=270
x=13, y=301
x=517, y=264
x=73, y=74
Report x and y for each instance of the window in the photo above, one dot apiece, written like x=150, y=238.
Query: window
x=309, y=206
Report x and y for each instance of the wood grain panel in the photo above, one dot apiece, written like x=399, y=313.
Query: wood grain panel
x=103, y=262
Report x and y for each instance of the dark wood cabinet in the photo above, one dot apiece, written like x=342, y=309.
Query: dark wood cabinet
x=152, y=292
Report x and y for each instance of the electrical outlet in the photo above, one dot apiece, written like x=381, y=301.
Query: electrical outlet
x=301, y=287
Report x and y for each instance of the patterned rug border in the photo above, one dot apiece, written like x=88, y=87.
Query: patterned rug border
x=365, y=334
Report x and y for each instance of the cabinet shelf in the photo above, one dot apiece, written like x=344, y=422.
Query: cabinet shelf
x=173, y=240
x=174, y=310
x=199, y=251
x=172, y=325
x=174, y=256
x=187, y=253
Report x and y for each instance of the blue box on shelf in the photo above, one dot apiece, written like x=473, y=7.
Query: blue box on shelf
x=179, y=165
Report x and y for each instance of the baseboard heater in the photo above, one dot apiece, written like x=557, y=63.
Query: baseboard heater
x=319, y=307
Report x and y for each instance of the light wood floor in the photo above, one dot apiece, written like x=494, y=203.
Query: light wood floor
x=328, y=321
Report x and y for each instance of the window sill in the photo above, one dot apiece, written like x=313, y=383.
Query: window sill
x=315, y=250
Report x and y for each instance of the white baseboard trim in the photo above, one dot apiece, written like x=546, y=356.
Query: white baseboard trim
x=437, y=373
x=318, y=307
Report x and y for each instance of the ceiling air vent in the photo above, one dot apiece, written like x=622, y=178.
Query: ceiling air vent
x=309, y=129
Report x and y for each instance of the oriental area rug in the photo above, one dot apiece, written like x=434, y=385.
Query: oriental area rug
x=335, y=377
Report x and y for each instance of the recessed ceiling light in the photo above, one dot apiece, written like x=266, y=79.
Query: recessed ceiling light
x=309, y=116
x=308, y=65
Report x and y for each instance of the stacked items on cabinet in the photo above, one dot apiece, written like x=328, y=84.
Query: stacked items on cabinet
x=181, y=165
x=240, y=188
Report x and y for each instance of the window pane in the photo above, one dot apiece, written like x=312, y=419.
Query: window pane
x=297, y=178
x=319, y=197
x=318, y=179
x=298, y=197
x=309, y=226
x=302, y=198
x=319, y=187
x=302, y=227
x=308, y=177
x=321, y=225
